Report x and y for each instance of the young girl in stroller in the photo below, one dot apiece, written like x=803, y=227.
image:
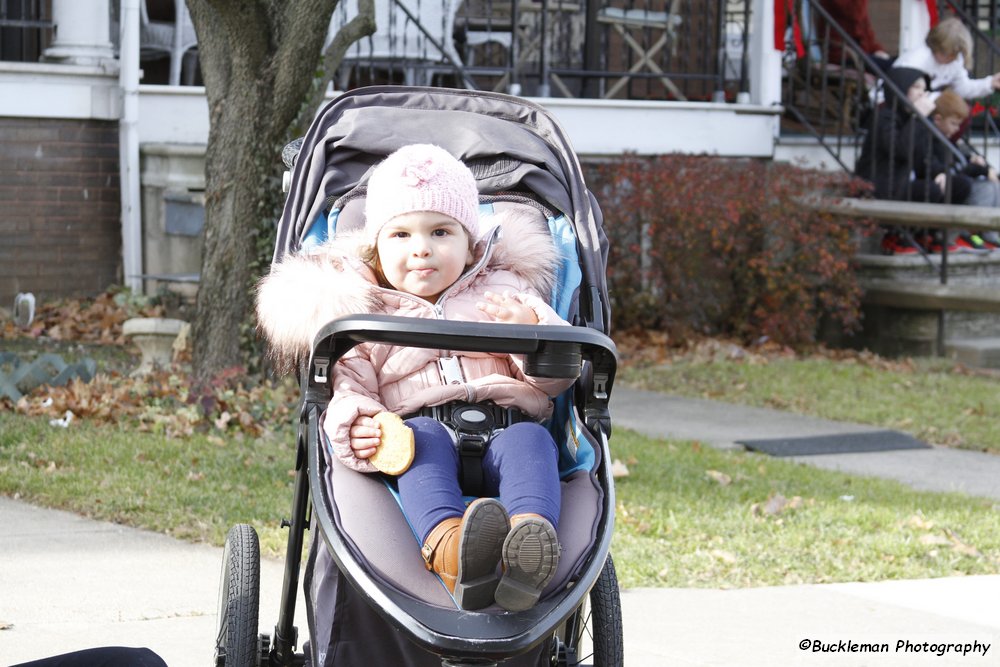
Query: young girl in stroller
x=423, y=252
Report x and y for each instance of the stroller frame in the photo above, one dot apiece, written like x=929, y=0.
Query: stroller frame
x=549, y=352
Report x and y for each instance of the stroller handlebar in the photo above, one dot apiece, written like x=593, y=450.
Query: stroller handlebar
x=550, y=351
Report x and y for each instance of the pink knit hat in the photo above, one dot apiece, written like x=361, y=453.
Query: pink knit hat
x=421, y=177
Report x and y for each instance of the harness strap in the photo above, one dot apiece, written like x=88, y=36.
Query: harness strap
x=471, y=450
x=474, y=425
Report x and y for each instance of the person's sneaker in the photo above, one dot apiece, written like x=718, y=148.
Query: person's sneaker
x=992, y=238
x=935, y=248
x=969, y=244
x=894, y=244
x=990, y=243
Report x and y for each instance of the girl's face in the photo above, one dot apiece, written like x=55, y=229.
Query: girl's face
x=423, y=253
x=944, y=58
x=917, y=90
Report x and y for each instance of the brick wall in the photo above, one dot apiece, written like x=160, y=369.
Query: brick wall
x=60, y=224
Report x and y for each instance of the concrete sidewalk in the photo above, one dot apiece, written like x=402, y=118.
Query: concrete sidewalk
x=723, y=424
x=68, y=583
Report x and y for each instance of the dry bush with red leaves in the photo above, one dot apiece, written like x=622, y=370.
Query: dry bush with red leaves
x=705, y=246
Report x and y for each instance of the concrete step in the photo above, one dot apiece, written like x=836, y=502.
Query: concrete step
x=974, y=352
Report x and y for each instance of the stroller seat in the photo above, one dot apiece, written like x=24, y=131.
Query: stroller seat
x=392, y=553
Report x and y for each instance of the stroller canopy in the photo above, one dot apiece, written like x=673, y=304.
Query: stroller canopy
x=512, y=145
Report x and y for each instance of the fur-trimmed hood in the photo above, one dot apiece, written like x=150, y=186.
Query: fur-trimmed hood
x=305, y=291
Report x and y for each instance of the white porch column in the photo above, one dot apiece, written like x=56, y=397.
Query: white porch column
x=765, y=60
x=128, y=146
x=914, y=22
x=82, y=33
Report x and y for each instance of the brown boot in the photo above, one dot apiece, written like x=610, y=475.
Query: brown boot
x=529, y=560
x=465, y=552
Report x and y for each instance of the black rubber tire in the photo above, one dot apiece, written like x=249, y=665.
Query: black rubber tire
x=600, y=617
x=606, y=618
x=239, y=599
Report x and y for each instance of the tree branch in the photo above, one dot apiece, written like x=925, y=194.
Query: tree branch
x=357, y=28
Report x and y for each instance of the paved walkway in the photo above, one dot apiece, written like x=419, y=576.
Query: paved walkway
x=68, y=583
x=722, y=425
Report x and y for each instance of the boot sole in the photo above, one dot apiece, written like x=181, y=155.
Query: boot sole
x=530, y=556
x=484, y=528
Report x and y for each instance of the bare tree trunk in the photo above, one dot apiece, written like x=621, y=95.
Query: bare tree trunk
x=259, y=59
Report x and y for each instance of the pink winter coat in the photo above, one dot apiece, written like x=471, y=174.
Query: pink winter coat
x=517, y=256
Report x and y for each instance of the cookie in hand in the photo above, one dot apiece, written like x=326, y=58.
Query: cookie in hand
x=395, y=453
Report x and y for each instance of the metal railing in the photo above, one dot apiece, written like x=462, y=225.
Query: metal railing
x=627, y=49
x=613, y=49
x=826, y=96
x=25, y=29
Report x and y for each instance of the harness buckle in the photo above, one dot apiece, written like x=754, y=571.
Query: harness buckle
x=472, y=445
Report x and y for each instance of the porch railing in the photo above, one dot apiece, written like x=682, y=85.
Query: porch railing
x=613, y=49
x=623, y=49
x=25, y=29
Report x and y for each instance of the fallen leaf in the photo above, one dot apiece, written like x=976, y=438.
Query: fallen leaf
x=618, y=469
x=724, y=556
x=960, y=547
x=919, y=522
x=776, y=504
x=722, y=478
x=223, y=421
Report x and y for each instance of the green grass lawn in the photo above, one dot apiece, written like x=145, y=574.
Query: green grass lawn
x=931, y=399
x=687, y=515
x=191, y=488
x=693, y=516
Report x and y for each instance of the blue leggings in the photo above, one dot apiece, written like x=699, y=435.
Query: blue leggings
x=521, y=467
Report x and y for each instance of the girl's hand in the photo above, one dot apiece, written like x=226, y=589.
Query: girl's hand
x=505, y=308
x=365, y=436
x=924, y=105
x=941, y=180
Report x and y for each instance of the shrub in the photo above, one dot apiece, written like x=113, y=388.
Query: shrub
x=726, y=247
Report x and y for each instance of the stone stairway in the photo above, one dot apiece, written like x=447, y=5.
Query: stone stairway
x=928, y=305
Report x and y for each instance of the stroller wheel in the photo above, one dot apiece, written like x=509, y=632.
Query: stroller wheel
x=592, y=635
x=236, y=644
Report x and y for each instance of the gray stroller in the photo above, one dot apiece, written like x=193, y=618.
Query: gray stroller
x=369, y=598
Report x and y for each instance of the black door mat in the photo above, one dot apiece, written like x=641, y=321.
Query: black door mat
x=841, y=443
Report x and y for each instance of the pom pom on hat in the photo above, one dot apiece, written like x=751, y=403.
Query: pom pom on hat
x=421, y=177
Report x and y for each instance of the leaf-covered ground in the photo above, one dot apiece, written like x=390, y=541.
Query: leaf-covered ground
x=165, y=401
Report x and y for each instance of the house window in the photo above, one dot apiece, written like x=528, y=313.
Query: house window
x=25, y=29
